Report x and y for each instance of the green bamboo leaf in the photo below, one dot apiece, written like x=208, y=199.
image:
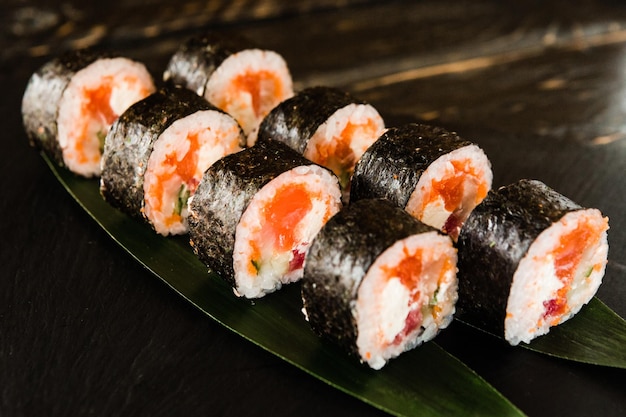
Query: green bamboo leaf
x=596, y=335
x=443, y=386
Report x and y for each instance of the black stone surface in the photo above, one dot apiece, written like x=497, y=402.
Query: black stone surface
x=84, y=330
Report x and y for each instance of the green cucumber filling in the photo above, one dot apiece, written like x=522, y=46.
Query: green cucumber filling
x=256, y=265
x=433, y=299
x=181, y=199
x=101, y=134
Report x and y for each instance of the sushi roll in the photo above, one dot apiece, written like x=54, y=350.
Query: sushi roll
x=156, y=152
x=529, y=259
x=70, y=103
x=234, y=75
x=255, y=213
x=327, y=126
x=434, y=174
x=378, y=282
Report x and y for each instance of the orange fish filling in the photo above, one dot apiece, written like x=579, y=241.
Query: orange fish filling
x=410, y=271
x=265, y=89
x=98, y=102
x=451, y=189
x=338, y=155
x=567, y=258
x=184, y=169
x=97, y=110
x=280, y=218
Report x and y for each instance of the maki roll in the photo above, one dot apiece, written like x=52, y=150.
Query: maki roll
x=434, y=174
x=156, y=152
x=70, y=103
x=255, y=213
x=379, y=282
x=234, y=75
x=327, y=126
x=529, y=259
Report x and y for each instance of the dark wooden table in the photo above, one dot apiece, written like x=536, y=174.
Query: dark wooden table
x=85, y=330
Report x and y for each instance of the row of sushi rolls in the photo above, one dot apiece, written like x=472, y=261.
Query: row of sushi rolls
x=392, y=230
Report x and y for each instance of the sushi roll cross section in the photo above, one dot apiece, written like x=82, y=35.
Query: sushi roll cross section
x=157, y=152
x=71, y=102
x=529, y=259
x=233, y=74
x=255, y=213
x=432, y=173
x=327, y=126
x=378, y=282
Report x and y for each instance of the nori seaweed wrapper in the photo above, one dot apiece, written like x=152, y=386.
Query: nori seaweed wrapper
x=223, y=195
x=340, y=256
x=196, y=60
x=393, y=165
x=130, y=140
x=493, y=241
x=295, y=120
x=42, y=97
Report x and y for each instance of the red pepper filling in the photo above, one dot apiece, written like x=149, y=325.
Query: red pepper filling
x=297, y=261
x=413, y=321
x=453, y=224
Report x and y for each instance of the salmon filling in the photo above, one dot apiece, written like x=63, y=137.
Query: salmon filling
x=276, y=229
x=175, y=172
x=180, y=156
x=407, y=295
x=281, y=217
x=94, y=99
x=98, y=115
x=409, y=273
x=97, y=108
x=248, y=85
x=250, y=97
x=449, y=190
x=340, y=142
x=561, y=272
x=568, y=257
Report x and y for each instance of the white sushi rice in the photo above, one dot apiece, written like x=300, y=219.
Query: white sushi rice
x=435, y=213
x=535, y=281
x=274, y=270
x=221, y=89
x=218, y=135
x=325, y=147
x=383, y=303
x=80, y=136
